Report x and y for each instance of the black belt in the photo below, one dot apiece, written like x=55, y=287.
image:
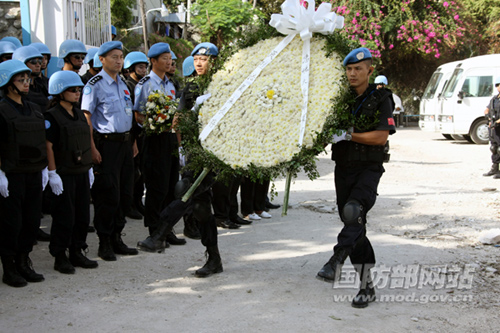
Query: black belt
x=118, y=137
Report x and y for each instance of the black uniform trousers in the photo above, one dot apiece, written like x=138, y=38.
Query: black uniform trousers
x=70, y=215
x=200, y=206
x=357, y=183
x=20, y=213
x=161, y=173
x=495, y=141
x=253, y=196
x=221, y=201
x=112, y=189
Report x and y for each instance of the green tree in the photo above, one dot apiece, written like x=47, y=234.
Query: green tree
x=487, y=15
x=121, y=13
x=221, y=21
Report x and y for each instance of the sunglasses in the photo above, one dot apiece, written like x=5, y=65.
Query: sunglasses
x=24, y=81
x=35, y=61
x=74, y=89
x=78, y=56
x=496, y=85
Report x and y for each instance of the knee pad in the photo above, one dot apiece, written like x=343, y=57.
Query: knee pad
x=202, y=211
x=181, y=187
x=352, y=213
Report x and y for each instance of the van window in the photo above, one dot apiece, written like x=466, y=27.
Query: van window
x=478, y=86
x=431, y=88
x=452, y=83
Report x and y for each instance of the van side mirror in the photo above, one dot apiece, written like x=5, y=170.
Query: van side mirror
x=461, y=94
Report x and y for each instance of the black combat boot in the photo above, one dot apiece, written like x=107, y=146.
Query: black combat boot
x=171, y=238
x=11, y=276
x=332, y=269
x=62, y=264
x=493, y=171
x=213, y=264
x=105, y=250
x=191, y=228
x=152, y=244
x=366, y=292
x=25, y=268
x=78, y=259
x=119, y=246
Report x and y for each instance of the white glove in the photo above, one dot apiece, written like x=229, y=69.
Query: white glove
x=182, y=158
x=200, y=100
x=55, y=182
x=4, y=185
x=341, y=137
x=45, y=177
x=91, y=177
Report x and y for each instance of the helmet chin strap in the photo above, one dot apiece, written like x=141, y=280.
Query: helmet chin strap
x=138, y=76
x=19, y=92
x=75, y=67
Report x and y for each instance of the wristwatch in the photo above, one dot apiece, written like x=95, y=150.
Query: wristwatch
x=348, y=135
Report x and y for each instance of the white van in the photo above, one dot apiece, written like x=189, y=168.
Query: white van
x=466, y=96
x=429, y=102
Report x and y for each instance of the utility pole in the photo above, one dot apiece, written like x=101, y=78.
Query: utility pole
x=144, y=26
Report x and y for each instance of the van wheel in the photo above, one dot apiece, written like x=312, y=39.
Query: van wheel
x=447, y=136
x=479, y=132
x=457, y=137
x=468, y=138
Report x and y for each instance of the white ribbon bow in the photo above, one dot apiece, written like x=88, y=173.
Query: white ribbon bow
x=295, y=19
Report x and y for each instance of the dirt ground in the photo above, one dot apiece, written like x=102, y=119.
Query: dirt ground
x=432, y=274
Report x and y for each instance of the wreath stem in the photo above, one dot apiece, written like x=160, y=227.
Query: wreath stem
x=195, y=185
x=284, y=210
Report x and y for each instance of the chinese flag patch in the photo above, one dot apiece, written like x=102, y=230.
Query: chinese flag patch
x=126, y=92
x=390, y=121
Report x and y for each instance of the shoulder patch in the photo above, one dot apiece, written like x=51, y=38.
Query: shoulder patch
x=87, y=90
x=94, y=79
x=47, y=124
x=144, y=80
x=138, y=89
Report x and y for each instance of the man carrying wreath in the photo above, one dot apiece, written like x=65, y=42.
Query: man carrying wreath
x=160, y=166
x=358, y=154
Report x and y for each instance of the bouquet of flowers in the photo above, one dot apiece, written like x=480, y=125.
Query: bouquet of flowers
x=159, y=112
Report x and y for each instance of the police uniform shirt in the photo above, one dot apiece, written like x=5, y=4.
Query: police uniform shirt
x=147, y=85
x=386, y=121
x=109, y=103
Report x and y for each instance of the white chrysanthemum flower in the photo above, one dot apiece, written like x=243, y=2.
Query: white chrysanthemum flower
x=263, y=126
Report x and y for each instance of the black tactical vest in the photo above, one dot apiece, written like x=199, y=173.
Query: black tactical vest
x=349, y=152
x=72, y=153
x=25, y=150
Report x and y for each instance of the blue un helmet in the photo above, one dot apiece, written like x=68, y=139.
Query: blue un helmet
x=188, y=66
x=42, y=48
x=13, y=40
x=381, y=79
x=497, y=80
x=208, y=49
x=26, y=53
x=62, y=80
x=6, y=48
x=174, y=57
x=71, y=46
x=113, y=30
x=90, y=55
x=133, y=58
x=10, y=68
x=97, y=62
